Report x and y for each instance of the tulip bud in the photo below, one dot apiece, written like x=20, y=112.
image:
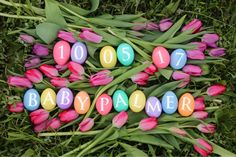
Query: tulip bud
x=139, y=26
x=59, y=82
x=152, y=26
x=120, y=119
x=75, y=68
x=216, y=89
x=151, y=69
x=165, y=24
x=210, y=39
x=26, y=38
x=217, y=52
x=40, y=50
x=61, y=67
x=90, y=36
x=200, y=115
x=194, y=25
x=195, y=54
x=179, y=75
x=178, y=131
x=67, y=116
x=148, y=124
x=40, y=127
x=192, y=70
x=16, y=108
x=209, y=128
x=101, y=78
x=201, y=46
x=39, y=116
x=75, y=77
x=20, y=82
x=204, y=152
x=199, y=104
x=32, y=61
x=49, y=70
x=53, y=124
x=67, y=36
x=34, y=75
x=86, y=125
x=140, y=78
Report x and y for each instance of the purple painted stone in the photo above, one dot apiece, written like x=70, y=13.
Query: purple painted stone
x=153, y=107
x=64, y=98
x=79, y=53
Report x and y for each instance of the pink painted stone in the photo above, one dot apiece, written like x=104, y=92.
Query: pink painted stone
x=104, y=104
x=61, y=52
x=161, y=57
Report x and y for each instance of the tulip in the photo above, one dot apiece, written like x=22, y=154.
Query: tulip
x=59, y=82
x=101, y=78
x=75, y=77
x=39, y=116
x=195, y=54
x=26, y=38
x=200, y=115
x=19, y=82
x=86, y=125
x=201, y=46
x=210, y=39
x=178, y=131
x=67, y=36
x=32, y=61
x=61, y=67
x=120, y=119
x=87, y=29
x=34, y=75
x=192, y=70
x=75, y=68
x=148, y=124
x=195, y=25
x=199, y=104
x=139, y=26
x=49, y=70
x=40, y=127
x=17, y=108
x=217, y=52
x=151, y=69
x=67, y=116
x=140, y=78
x=209, y=128
x=152, y=26
x=216, y=89
x=40, y=50
x=53, y=124
x=204, y=152
x=179, y=75
x=165, y=24
x=90, y=36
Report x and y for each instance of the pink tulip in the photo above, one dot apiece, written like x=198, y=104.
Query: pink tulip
x=216, y=89
x=67, y=36
x=140, y=78
x=34, y=75
x=61, y=67
x=151, y=69
x=75, y=68
x=86, y=29
x=209, y=128
x=120, y=119
x=39, y=116
x=178, y=131
x=53, y=124
x=40, y=127
x=152, y=26
x=192, y=70
x=204, y=152
x=40, y=50
x=195, y=25
x=59, y=82
x=19, y=82
x=210, y=39
x=165, y=24
x=200, y=115
x=67, y=116
x=195, y=54
x=86, y=125
x=32, y=61
x=101, y=78
x=201, y=46
x=139, y=26
x=75, y=77
x=199, y=104
x=217, y=52
x=49, y=70
x=26, y=38
x=16, y=108
x=179, y=75
x=148, y=124
x=90, y=36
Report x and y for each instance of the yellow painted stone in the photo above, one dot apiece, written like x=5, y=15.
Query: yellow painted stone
x=48, y=99
x=186, y=105
x=108, y=57
x=137, y=101
x=82, y=102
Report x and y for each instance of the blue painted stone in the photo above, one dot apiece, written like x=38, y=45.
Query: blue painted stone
x=79, y=52
x=31, y=100
x=153, y=107
x=169, y=102
x=125, y=54
x=178, y=59
x=120, y=101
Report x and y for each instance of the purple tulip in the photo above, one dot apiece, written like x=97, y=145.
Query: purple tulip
x=194, y=25
x=210, y=39
x=139, y=26
x=90, y=36
x=195, y=54
x=165, y=24
x=201, y=46
x=217, y=52
x=32, y=61
x=67, y=36
x=17, y=81
x=192, y=70
x=179, y=75
x=40, y=50
x=26, y=38
x=152, y=26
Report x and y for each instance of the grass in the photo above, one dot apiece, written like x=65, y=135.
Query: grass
x=16, y=133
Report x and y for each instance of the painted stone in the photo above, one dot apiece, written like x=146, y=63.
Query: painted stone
x=48, y=99
x=178, y=59
x=82, y=102
x=153, y=107
x=64, y=98
x=169, y=102
x=104, y=104
x=31, y=100
x=108, y=57
x=186, y=105
x=161, y=57
x=125, y=54
x=79, y=52
x=120, y=101
x=61, y=52
x=137, y=101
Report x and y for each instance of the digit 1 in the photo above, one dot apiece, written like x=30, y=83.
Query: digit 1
x=61, y=50
x=160, y=56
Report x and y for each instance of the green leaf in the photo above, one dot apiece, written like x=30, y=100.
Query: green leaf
x=221, y=151
x=130, y=89
x=171, y=140
x=28, y=153
x=167, y=73
x=127, y=17
x=47, y=31
x=110, y=23
x=148, y=91
x=133, y=151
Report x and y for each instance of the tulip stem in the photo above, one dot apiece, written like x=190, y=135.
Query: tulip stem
x=212, y=108
x=23, y=17
x=69, y=133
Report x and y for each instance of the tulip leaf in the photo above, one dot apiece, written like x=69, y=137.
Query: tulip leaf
x=167, y=73
x=127, y=17
x=171, y=140
x=105, y=16
x=149, y=90
x=28, y=153
x=133, y=151
x=110, y=22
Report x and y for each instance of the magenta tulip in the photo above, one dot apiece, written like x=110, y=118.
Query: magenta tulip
x=200, y=115
x=75, y=68
x=217, y=52
x=195, y=54
x=165, y=24
x=75, y=77
x=16, y=108
x=101, y=78
x=195, y=25
x=148, y=124
x=86, y=125
x=18, y=81
x=216, y=89
x=179, y=75
x=178, y=131
x=207, y=147
x=140, y=78
x=39, y=116
x=90, y=36
x=139, y=26
x=67, y=116
x=49, y=70
x=207, y=128
x=40, y=127
x=26, y=38
x=199, y=104
x=67, y=36
x=34, y=75
x=210, y=39
x=53, y=124
x=32, y=61
x=120, y=119
x=59, y=82
x=40, y=50
x=192, y=70
x=201, y=46
x=152, y=26
x=151, y=69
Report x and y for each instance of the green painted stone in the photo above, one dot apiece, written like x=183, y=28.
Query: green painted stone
x=125, y=54
x=120, y=101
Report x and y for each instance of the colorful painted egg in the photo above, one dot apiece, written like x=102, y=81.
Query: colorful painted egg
x=161, y=57
x=61, y=52
x=125, y=54
x=186, y=104
x=120, y=101
x=108, y=57
x=79, y=52
x=82, y=102
x=153, y=107
x=137, y=101
x=104, y=104
x=31, y=100
x=48, y=99
x=178, y=59
x=169, y=102
x=64, y=98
